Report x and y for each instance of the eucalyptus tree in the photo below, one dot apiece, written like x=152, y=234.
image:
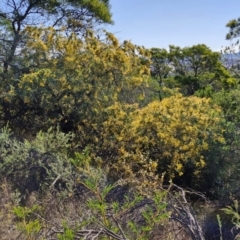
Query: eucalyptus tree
x=199, y=70
x=160, y=69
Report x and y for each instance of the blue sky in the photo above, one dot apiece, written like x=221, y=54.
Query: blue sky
x=159, y=23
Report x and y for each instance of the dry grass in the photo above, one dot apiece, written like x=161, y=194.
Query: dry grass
x=73, y=211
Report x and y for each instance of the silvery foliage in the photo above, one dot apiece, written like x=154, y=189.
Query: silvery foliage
x=38, y=164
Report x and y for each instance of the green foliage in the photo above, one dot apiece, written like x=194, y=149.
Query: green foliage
x=28, y=225
x=81, y=159
x=68, y=234
x=77, y=15
x=160, y=69
x=192, y=70
x=233, y=219
x=220, y=226
x=197, y=68
x=39, y=164
x=229, y=175
x=100, y=8
x=101, y=207
x=234, y=29
x=229, y=101
x=154, y=217
x=234, y=212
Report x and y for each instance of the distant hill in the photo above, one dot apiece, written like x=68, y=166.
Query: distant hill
x=235, y=56
x=230, y=60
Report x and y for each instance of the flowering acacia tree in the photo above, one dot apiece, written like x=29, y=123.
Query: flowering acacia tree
x=167, y=136
x=72, y=80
